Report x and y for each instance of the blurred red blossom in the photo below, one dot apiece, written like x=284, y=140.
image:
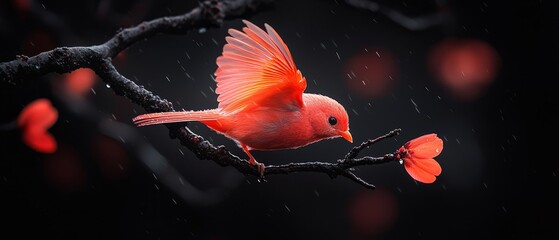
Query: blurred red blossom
x=80, y=81
x=417, y=156
x=464, y=66
x=22, y=6
x=110, y=155
x=371, y=74
x=372, y=212
x=34, y=121
x=121, y=57
x=63, y=170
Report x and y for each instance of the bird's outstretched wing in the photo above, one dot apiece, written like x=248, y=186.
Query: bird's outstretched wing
x=256, y=69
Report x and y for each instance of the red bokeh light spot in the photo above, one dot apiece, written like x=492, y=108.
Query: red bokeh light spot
x=63, y=169
x=80, y=81
x=371, y=74
x=23, y=6
x=111, y=156
x=34, y=121
x=121, y=58
x=466, y=67
x=39, y=140
x=372, y=212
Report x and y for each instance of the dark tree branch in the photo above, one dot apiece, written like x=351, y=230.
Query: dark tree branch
x=208, y=14
x=66, y=59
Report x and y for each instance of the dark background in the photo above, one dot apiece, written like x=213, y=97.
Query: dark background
x=499, y=166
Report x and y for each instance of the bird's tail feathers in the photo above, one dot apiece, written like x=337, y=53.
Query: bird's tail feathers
x=174, y=117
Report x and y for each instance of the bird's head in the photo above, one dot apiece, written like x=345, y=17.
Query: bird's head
x=328, y=117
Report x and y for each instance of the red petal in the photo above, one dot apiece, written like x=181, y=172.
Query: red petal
x=429, y=165
x=428, y=146
x=39, y=113
x=420, y=140
x=418, y=173
x=39, y=140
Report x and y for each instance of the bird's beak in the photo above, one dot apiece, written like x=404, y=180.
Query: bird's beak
x=346, y=135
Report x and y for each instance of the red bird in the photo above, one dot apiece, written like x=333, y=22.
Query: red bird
x=261, y=101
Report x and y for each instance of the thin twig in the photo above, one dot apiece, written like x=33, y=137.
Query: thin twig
x=355, y=151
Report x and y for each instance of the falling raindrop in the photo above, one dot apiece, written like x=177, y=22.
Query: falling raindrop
x=286, y=207
x=181, y=181
x=188, y=75
x=413, y=102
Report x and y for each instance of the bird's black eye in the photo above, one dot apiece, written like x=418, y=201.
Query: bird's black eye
x=332, y=120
